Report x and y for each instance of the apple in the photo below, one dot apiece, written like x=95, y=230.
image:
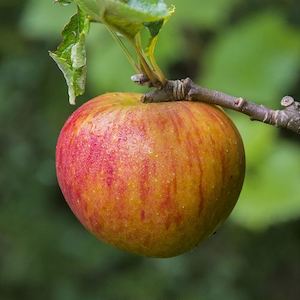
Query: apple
x=152, y=179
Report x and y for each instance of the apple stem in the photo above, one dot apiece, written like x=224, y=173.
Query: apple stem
x=186, y=90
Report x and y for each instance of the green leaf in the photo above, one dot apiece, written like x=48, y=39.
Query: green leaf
x=154, y=29
x=70, y=56
x=126, y=17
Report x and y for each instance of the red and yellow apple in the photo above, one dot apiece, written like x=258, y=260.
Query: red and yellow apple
x=153, y=179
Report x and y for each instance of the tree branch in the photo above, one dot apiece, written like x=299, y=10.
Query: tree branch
x=186, y=90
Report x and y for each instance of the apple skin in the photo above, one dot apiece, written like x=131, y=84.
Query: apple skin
x=152, y=179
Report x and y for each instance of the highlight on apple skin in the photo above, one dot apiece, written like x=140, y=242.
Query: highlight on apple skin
x=151, y=179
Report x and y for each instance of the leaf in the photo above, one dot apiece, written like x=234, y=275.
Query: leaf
x=70, y=56
x=127, y=17
x=154, y=29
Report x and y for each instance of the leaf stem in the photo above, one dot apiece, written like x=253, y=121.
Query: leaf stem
x=153, y=62
x=124, y=48
x=146, y=66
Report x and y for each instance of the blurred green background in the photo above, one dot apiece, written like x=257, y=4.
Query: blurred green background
x=247, y=48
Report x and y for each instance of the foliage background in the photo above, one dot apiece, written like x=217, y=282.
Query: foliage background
x=248, y=48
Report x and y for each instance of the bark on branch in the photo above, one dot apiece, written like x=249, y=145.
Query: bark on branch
x=178, y=90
